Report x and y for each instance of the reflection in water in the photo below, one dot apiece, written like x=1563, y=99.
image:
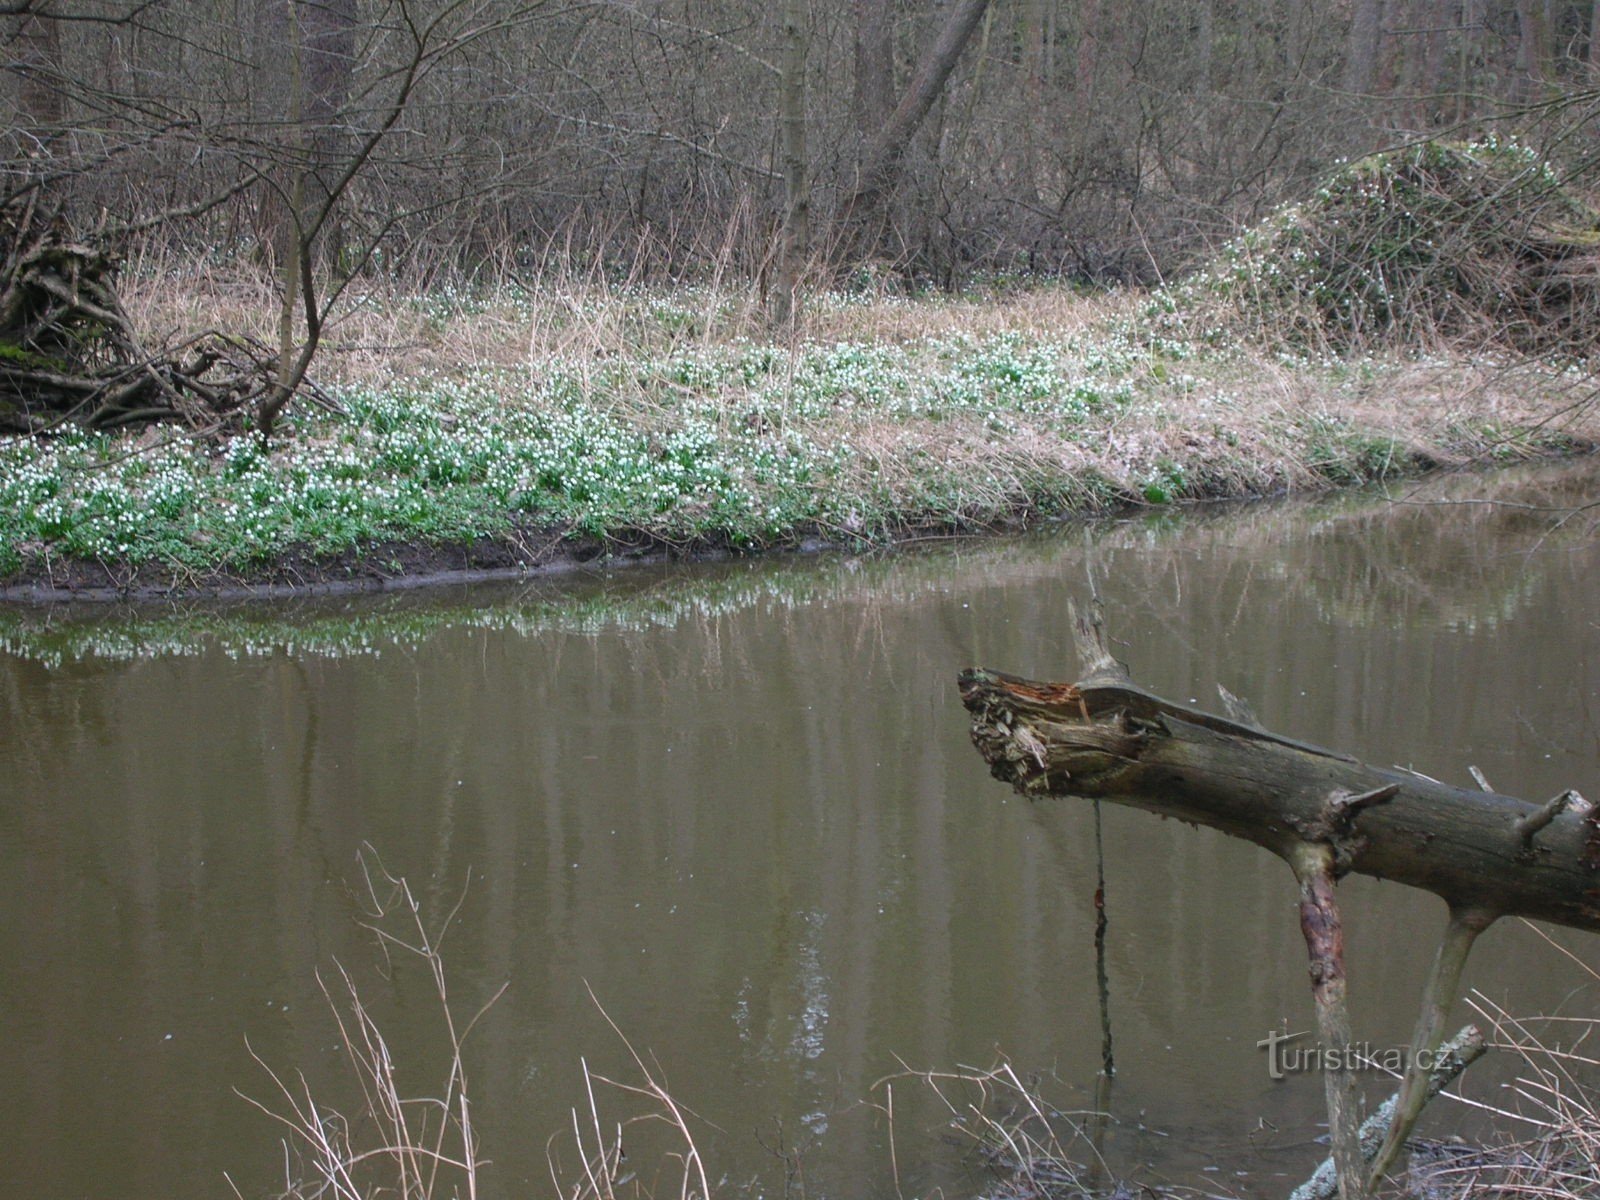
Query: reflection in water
x=739, y=803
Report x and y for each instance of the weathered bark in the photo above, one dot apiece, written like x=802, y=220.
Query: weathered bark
x=1481, y=852
x=1323, y=927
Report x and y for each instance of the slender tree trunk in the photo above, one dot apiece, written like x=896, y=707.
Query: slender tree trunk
x=1594, y=36
x=881, y=163
x=273, y=47
x=1033, y=20
x=37, y=59
x=1533, y=50
x=1298, y=23
x=1088, y=59
x=1472, y=18
x=1204, y=47
x=1437, y=14
x=874, y=54
x=796, y=188
x=327, y=31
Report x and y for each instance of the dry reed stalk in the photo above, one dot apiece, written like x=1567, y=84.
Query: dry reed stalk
x=601, y=1173
x=413, y=1146
x=1035, y=1150
x=1555, y=1097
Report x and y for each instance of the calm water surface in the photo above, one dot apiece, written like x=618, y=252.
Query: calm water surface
x=738, y=804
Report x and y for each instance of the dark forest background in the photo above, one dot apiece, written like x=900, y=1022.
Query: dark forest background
x=1100, y=140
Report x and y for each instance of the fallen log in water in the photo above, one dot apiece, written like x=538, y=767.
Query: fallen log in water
x=1325, y=814
x=1103, y=738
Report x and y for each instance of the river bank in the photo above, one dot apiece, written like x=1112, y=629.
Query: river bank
x=496, y=434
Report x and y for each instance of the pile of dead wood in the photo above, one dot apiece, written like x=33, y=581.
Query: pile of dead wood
x=69, y=356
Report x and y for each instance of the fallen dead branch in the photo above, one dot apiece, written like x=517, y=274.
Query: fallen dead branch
x=70, y=357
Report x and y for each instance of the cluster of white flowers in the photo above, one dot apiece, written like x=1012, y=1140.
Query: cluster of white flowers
x=746, y=441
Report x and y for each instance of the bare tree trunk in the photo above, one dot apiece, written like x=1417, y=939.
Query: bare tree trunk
x=1437, y=15
x=881, y=163
x=37, y=58
x=1033, y=39
x=327, y=31
x=1361, y=47
x=39, y=43
x=1533, y=50
x=1088, y=58
x=796, y=188
x=270, y=35
x=874, y=54
x=1594, y=35
x=1472, y=19
x=1205, y=40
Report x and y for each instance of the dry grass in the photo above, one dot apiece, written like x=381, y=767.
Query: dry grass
x=1428, y=406
x=1555, y=1101
x=424, y=1146
x=1033, y=1150
x=600, y=1168
x=396, y=1143
x=385, y=329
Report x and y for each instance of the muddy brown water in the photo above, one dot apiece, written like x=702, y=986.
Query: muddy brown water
x=739, y=806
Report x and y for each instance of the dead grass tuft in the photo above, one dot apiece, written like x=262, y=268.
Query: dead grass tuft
x=1555, y=1099
x=397, y=1143
x=423, y=1146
